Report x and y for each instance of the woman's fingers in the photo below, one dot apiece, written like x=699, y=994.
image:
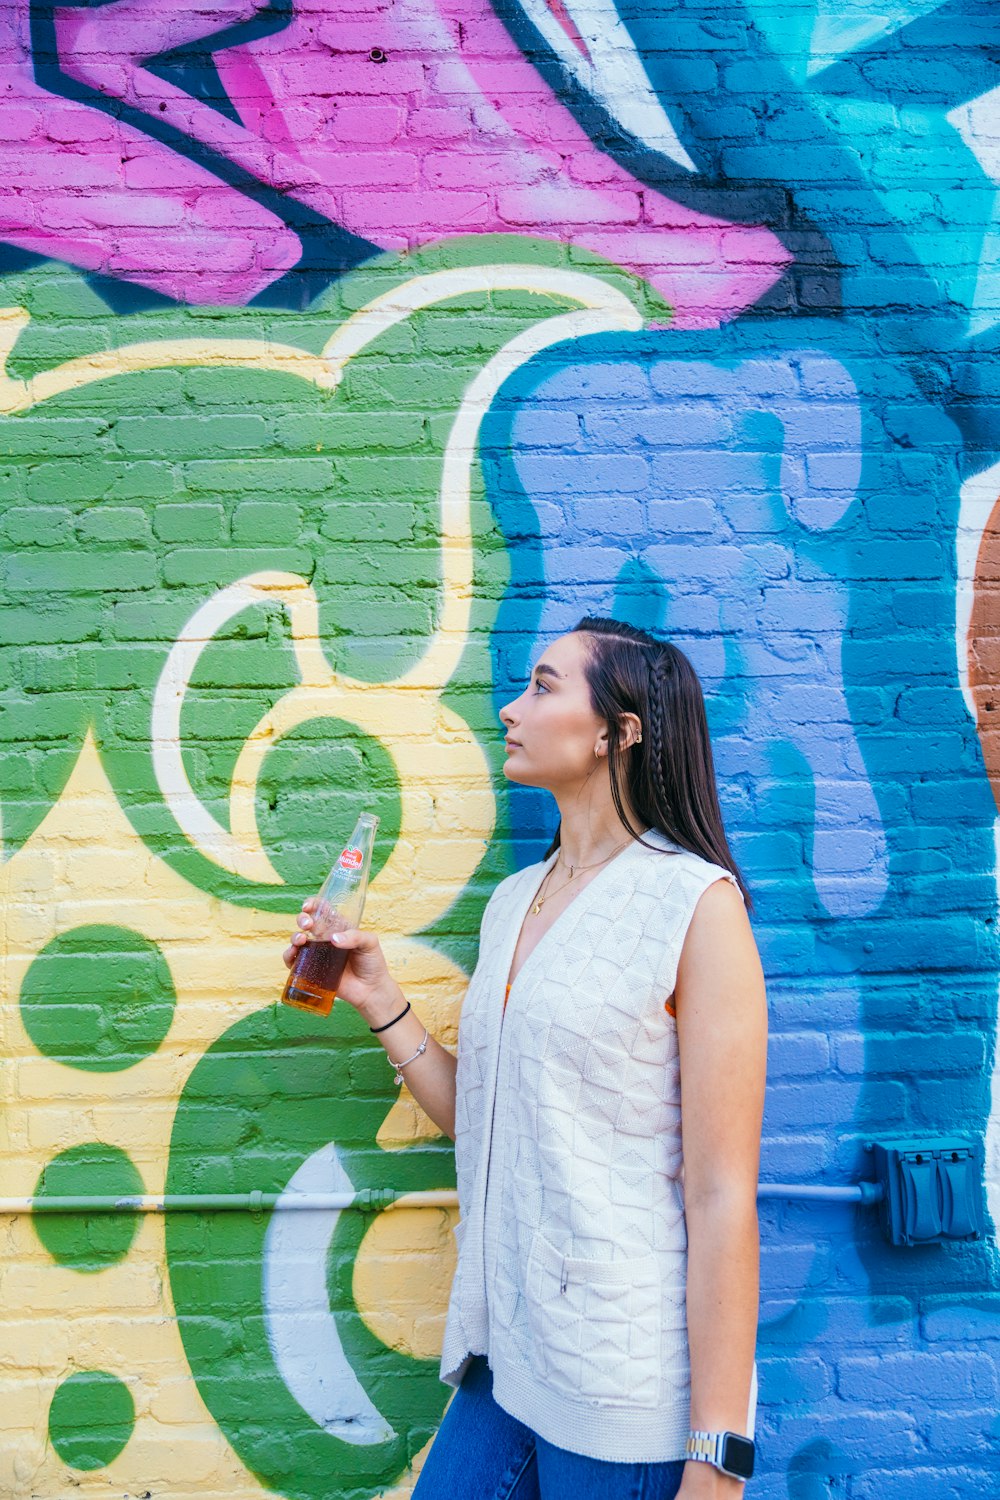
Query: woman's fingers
x=305, y=916
x=291, y=952
x=354, y=937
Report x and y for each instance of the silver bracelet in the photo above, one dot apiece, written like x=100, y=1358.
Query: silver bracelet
x=399, y=1066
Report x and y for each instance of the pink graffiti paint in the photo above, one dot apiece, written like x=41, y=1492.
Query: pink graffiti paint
x=455, y=133
x=568, y=25
x=85, y=188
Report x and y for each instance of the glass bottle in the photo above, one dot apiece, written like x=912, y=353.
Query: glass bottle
x=319, y=966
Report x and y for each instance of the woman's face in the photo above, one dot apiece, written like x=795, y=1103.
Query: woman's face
x=552, y=731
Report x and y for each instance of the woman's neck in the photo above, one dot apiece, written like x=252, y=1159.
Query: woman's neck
x=590, y=834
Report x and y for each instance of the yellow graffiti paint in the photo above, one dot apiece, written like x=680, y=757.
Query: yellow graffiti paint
x=86, y=865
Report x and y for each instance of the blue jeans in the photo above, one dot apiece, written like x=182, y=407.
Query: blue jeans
x=483, y=1453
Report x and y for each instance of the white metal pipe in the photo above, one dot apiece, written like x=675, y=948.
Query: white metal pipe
x=366, y=1199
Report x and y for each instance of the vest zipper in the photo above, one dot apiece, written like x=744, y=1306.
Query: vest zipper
x=564, y=1276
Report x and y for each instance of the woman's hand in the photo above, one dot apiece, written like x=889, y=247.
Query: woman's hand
x=371, y=989
x=366, y=983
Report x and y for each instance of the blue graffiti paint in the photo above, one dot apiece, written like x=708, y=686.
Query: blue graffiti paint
x=748, y=489
x=860, y=134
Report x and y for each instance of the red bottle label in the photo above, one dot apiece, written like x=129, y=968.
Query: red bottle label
x=351, y=859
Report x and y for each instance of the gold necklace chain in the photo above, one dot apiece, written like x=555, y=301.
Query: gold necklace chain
x=574, y=871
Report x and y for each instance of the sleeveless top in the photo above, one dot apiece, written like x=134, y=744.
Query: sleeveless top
x=572, y=1246
x=666, y=1004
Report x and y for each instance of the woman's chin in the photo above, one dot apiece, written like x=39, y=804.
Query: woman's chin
x=523, y=776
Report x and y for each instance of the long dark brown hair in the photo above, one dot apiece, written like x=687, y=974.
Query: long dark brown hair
x=670, y=775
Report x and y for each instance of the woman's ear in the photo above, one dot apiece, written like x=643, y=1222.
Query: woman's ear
x=630, y=732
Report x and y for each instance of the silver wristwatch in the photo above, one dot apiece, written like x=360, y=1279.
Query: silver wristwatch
x=730, y=1452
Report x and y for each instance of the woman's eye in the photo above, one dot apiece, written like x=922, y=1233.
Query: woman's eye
x=540, y=685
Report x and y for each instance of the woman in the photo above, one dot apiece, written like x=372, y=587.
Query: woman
x=604, y=1306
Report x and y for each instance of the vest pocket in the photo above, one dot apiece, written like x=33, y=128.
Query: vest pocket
x=595, y=1325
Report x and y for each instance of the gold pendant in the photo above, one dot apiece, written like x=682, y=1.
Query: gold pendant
x=536, y=908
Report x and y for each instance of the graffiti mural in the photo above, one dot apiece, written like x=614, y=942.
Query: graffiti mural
x=440, y=127
x=349, y=356
x=203, y=885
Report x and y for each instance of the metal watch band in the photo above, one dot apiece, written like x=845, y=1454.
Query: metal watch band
x=705, y=1447
x=708, y=1448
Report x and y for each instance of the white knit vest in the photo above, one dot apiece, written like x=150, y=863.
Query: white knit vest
x=572, y=1242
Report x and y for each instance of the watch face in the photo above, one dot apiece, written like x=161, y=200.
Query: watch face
x=737, y=1455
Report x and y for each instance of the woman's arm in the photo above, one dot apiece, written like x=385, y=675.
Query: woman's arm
x=722, y=1035
x=371, y=989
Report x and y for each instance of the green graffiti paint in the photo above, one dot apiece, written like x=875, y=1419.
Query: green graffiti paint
x=88, y=1244
x=128, y=501
x=276, y=1088
x=129, y=505
x=312, y=785
x=91, y=1419
x=99, y=998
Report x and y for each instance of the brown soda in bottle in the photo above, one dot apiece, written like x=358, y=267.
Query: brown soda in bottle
x=319, y=966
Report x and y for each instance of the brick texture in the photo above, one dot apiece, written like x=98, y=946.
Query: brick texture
x=351, y=355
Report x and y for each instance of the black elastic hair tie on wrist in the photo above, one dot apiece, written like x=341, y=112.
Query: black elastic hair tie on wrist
x=402, y=1013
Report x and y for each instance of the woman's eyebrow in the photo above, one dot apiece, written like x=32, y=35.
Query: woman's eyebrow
x=543, y=669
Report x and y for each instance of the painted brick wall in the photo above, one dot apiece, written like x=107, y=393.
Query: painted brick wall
x=350, y=355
